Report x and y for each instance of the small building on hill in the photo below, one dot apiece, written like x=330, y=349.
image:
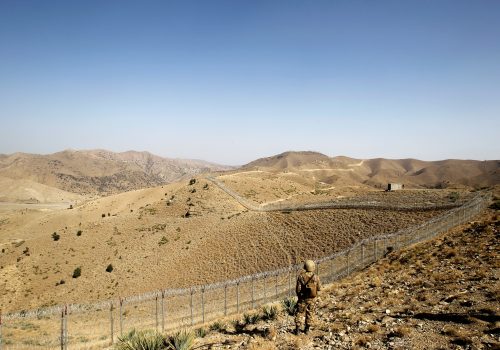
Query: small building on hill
x=395, y=187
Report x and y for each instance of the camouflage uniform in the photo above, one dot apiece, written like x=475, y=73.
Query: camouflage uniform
x=306, y=305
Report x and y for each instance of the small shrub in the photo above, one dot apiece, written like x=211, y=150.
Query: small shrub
x=252, y=318
x=218, y=326
x=163, y=240
x=373, y=328
x=140, y=340
x=400, y=332
x=453, y=196
x=200, y=332
x=79, y=232
x=109, y=268
x=182, y=340
x=192, y=181
x=237, y=325
x=290, y=305
x=77, y=272
x=55, y=236
x=269, y=312
x=103, y=215
x=362, y=341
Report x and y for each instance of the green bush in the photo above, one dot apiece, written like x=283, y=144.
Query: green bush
x=200, y=332
x=252, y=318
x=290, y=305
x=79, y=232
x=109, y=268
x=269, y=312
x=182, y=340
x=55, y=236
x=218, y=326
x=163, y=240
x=140, y=340
x=77, y=272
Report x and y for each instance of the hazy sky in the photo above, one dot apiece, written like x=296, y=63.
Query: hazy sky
x=232, y=81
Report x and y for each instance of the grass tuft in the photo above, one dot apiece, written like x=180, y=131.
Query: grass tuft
x=182, y=340
x=140, y=340
x=290, y=305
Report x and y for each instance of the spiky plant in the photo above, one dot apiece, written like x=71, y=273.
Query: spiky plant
x=217, y=326
x=290, y=305
x=182, y=340
x=252, y=318
x=269, y=312
x=141, y=340
x=200, y=332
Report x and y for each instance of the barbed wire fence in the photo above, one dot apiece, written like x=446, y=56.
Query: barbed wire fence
x=98, y=325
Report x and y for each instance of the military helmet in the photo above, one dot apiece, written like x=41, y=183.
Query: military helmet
x=309, y=265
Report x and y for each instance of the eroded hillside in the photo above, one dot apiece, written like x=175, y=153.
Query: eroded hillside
x=175, y=235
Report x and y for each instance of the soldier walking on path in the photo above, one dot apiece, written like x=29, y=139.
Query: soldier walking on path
x=308, y=285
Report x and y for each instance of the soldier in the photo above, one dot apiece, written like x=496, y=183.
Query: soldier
x=308, y=285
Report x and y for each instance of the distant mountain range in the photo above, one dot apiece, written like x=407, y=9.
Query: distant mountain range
x=92, y=172
x=69, y=175
x=379, y=172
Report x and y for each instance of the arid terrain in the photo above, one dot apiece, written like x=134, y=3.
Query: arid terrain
x=440, y=294
x=187, y=232
x=89, y=173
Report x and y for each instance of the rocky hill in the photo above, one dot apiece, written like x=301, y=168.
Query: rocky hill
x=99, y=171
x=379, y=172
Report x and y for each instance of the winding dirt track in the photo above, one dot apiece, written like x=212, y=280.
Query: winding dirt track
x=283, y=206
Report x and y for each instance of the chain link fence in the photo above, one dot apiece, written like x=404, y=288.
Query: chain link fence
x=97, y=325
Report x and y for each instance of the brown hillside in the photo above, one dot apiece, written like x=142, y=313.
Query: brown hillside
x=152, y=243
x=342, y=171
x=27, y=191
x=99, y=171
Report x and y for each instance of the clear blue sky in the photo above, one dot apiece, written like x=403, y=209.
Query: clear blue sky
x=232, y=81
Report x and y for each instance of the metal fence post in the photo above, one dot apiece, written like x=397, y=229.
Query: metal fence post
x=203, y=305
x=62, y=329
x=363, y=255
x=238, y=297
x=111, y=322
x=265, y=291
x=162, y=311
x=121, y=317
x=65, y=327
x=156, y=312
x=225, y=299
x=276, y=286
x=0, y=329
x=289, y=282
x=253, y=299
x=347, y=256
x=191, y=306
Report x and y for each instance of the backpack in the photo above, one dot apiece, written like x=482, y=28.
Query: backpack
x=311, y=288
